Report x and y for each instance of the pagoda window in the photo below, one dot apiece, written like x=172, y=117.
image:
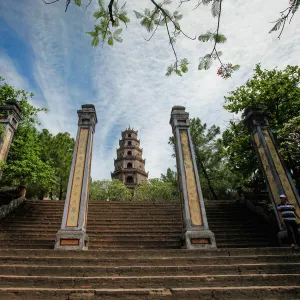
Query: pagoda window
x=129, y=165
x=129, y=135
x=129, y=179
x=129, y=153
x=129, y=143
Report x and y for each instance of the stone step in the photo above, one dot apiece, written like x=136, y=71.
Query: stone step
x=96, y=245
x=100, y=230
x=211, y=293
x=252, y=252
x=100, y=221
x=97, y=239
x=43, y=235
x=60, y=260
x=99, y=282
x=229, y=244
x=133, y=271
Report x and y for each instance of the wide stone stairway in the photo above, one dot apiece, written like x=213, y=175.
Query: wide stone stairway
x=135, y=252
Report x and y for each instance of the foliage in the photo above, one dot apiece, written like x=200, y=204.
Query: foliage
x=285, y=15
x=58, y=152
x=113, y=190
x=156, y=190
x=111, y=17
x=36, y=159
x=216, y=179
x=277, y=94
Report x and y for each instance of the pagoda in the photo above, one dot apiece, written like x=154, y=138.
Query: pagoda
x=129, y=164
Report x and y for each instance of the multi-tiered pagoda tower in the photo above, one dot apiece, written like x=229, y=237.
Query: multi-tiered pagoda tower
x=129, y=164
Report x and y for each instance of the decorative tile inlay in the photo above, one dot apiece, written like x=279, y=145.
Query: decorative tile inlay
x=5, y=145
x=193, y=197
x=281, y=171
x=266, y=166
x=75, y=197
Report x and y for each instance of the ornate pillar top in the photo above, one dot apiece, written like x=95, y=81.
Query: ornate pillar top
x=179, y=117
x=87, y=116
x=254, y=117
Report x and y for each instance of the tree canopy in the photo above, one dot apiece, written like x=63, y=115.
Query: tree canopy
x=113, y=190
x=112, y=18
x=276, y=93
x=36, y=158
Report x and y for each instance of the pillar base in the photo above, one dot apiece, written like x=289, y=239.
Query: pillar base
x=71, y=240
x=282, y=238
x=200, y=239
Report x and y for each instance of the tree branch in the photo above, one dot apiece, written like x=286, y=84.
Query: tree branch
x=217, y=33
x=67, y=4
x=88, y=5
x=50, y=2
x=171, y=42
x=167, y=15
x=110, y=6
x=153, y=31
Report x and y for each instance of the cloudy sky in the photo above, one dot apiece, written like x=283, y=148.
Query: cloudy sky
x=47, y=51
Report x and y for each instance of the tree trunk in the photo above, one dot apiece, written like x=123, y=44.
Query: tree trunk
x=207, y=179
x=60, y=190
x=296, y=173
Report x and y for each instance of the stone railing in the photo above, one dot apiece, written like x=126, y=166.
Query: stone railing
x=9, y=206
x=262, y=208
x=7, y=209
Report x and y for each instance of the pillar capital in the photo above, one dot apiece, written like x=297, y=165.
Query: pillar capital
x=254, y=117
x=10, y=116
x=87, y=116
x=179, y=117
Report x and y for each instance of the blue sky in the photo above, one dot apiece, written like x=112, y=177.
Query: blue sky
x=46, y=51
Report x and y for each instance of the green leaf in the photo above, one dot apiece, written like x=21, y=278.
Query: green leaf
x=205, y=37
x=206, y=2
x=138, y=15
x=92, y=33
x=215, y=8
x=98, y=14
x=220, y=38
x=277, y=25
x=77, y=2
x=110, y=41
x=95, y=41
x=235, y=67
x=124, y=18
x=118, y=32
x=205, y=62
x=118, y=39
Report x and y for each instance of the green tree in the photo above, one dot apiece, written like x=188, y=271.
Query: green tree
x=277, y=94
x=111, y=18
x=156, y=190
x=113, y=190
x=61, y=154
x=36, y=159
x=216, y=179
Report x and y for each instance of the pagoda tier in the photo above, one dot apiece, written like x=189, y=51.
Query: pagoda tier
x=129, y=164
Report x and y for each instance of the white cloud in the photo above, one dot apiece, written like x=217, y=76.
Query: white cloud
x=127, y=82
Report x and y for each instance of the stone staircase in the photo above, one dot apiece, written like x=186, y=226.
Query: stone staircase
x=135, y=254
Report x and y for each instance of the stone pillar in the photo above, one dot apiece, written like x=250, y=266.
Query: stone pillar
x=10, y=117
x=275, y=172
x=195, y=232
x=72, y=235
